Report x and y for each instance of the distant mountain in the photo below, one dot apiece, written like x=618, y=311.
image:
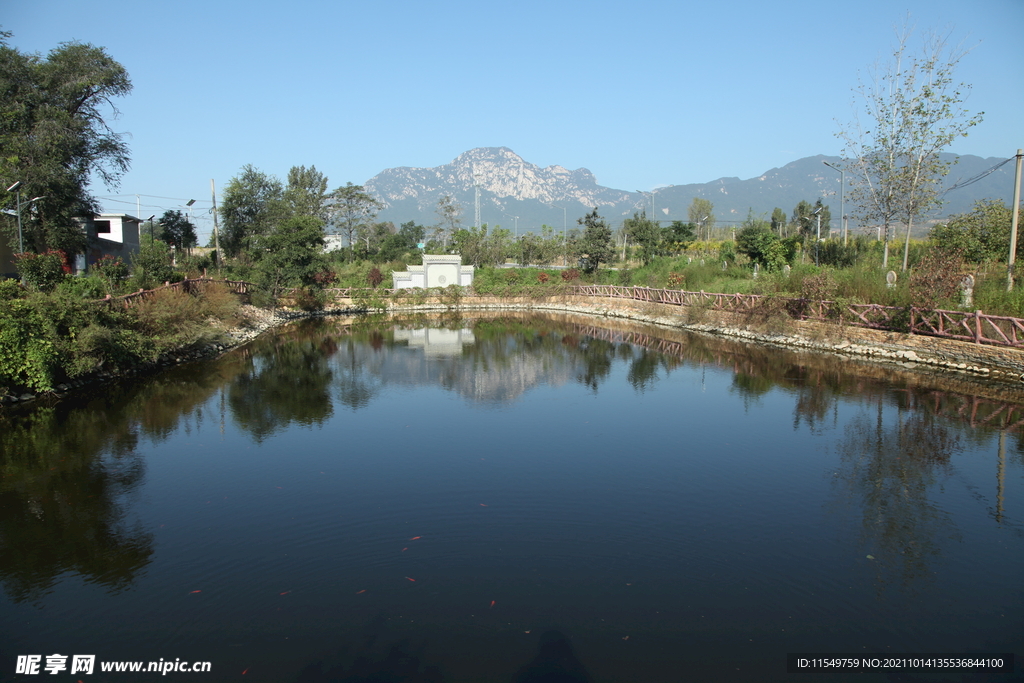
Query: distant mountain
x=511, y=187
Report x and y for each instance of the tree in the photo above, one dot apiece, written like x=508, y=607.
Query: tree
x=306, y=193
x=702, y=214
x=54, y=138
x=450, y=213
x=644, y=232
x=759, y=242
x=804, y=219
x=372, y=235
x=291, y=255
x=914, y=111
x=983, y=234
x=595, y=245
x=351, y=208
x=252, y=205
x=177, y=230
x=779, y=221
x=820, y=210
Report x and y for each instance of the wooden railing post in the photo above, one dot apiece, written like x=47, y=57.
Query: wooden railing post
x=977, y=327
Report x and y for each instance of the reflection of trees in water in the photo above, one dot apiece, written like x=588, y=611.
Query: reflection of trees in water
x=887, y=471
x=287, y=380
x=59, y=501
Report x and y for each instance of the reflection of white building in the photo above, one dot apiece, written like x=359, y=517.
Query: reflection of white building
x=436, y=342
x=436, y=271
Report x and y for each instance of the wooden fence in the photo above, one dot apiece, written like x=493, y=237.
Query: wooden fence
x=189, y=286
x=973, y=326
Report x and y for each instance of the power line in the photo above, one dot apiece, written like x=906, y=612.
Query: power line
x=972, y=180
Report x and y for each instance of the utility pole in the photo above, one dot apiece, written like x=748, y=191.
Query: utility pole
x=1013, y=224
x=842, y=199
x=216, y=237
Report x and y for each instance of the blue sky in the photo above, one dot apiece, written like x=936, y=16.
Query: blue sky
x=643, y=94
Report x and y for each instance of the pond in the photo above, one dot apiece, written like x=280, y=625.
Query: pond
x=493, y=498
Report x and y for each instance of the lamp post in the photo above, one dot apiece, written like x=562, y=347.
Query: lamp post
x=817, y=241
x=17, y=187
x=150, y=219
x=652, y=201
x=842, y=197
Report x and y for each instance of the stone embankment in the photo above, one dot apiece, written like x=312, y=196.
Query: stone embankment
x=906, y=350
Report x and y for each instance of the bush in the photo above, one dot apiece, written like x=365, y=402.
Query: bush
x=42, y=271
x=374, y=277
x=110, y=268
x=90, y=287
x=151, y=265
x=570, y=275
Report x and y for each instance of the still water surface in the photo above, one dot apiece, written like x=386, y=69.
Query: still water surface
x=434, y=501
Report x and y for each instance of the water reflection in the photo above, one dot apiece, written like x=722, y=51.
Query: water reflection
x=286, y=379
x=887, y=470
x=64, y=478
x=69, y=469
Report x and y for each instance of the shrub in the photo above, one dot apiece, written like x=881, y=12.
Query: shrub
x=111, y=268
x=937, y=277
x=151, y=265
x=542, y=277
x=374, y=277
x=570, y=274
x=90, y=287
x=43, y=271
x=676, y=280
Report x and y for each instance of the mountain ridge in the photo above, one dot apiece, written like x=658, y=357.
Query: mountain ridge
x=515, y=192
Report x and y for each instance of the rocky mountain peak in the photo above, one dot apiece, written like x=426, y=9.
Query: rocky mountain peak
x=501, y=175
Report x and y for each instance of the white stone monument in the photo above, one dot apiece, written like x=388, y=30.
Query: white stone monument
x=436, y=271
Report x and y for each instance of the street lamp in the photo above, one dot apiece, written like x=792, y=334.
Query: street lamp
x=652, y=201
x=817, y=242
x=842, y=197
x=17, y=187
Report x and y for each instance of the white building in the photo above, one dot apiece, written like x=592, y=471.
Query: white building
x=112, y=234
x=436, y=271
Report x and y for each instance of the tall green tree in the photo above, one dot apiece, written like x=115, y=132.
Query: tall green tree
x=914, y=110
x=252, y=205
x=55, y=138
x=292, y=255
x=702, y=214
x=804, y=219
x=351, y=208
x=645, y=233
x=177, y=230
x=779, y=222
x=595, y=244
x=306, y=193
x=759, y=242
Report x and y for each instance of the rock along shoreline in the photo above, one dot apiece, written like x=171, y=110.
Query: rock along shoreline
x=908, y=351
